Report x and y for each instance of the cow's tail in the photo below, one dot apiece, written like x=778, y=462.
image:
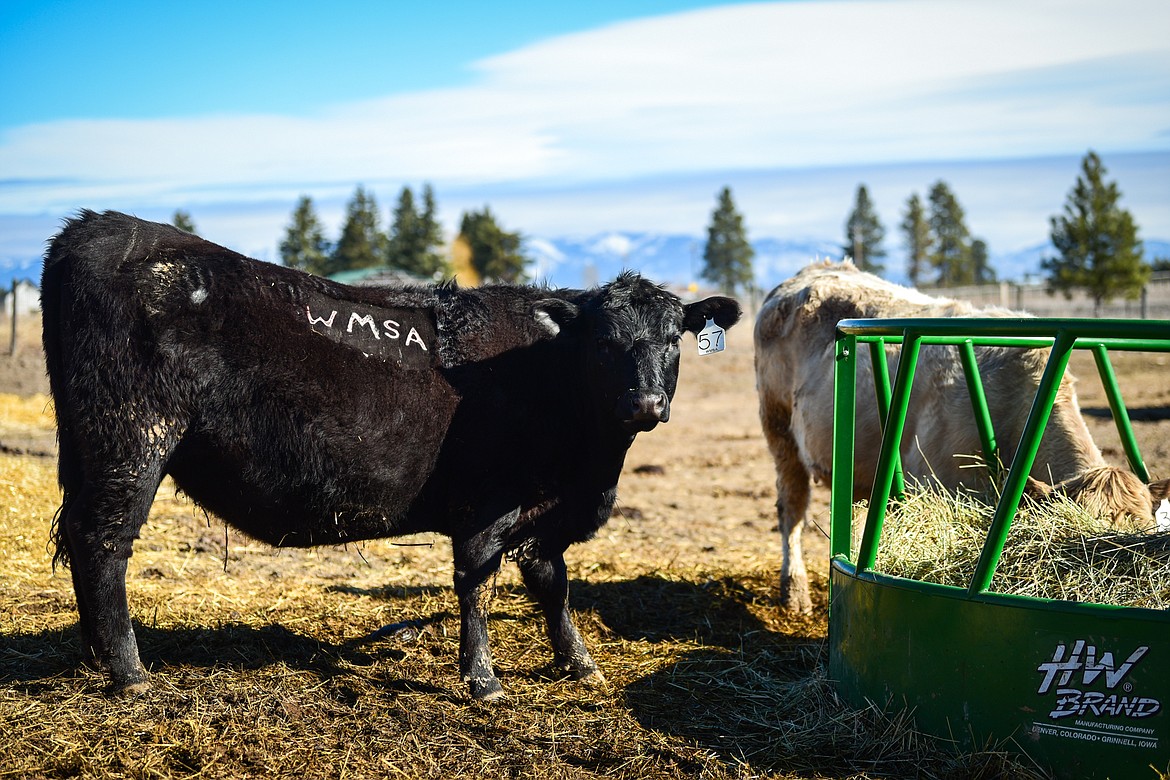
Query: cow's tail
x=55, y=287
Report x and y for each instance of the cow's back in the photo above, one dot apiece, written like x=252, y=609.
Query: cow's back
x=795, y=334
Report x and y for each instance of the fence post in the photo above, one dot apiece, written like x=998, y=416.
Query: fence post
x=12, y=335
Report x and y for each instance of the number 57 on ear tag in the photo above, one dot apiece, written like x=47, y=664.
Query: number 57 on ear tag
x=711, y=338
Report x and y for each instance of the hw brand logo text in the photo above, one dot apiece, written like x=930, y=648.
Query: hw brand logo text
x=1083, y=666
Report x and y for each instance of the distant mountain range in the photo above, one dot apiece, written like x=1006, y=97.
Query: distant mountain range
x=678, y=259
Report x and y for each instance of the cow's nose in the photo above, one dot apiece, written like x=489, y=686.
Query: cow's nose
x=644, y=410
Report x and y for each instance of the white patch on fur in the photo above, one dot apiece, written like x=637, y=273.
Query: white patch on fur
x=199, y=295
x=162, y=276
x=547, y=322
x=166, y=271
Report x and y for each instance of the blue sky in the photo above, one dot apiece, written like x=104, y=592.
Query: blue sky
x=572, y=118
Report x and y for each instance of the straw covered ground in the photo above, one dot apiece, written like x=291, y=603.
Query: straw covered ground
x=342, y=662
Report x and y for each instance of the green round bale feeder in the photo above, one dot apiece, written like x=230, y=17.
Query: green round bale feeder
x=1080, y=688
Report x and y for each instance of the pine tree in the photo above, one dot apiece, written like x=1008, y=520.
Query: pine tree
x=495, y=253
x=864, y=233
x=950, y=240
x=402, y=248
x=917, y=232
x=415, y=238
x=728, y=255
x=980, y=263
x=304, y=246
x=182, y=220
x=1098, y=243
x=434, y=262
x=362, y=244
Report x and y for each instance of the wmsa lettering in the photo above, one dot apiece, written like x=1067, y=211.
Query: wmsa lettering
x=404, y=336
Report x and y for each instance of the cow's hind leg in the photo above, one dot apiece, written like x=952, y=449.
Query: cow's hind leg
x=792, y=496
x=547, y=580
x=98, y=529
x=476, y=560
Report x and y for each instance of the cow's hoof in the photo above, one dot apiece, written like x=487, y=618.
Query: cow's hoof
x=795, y=598
x=488, y=690
x=129, y=689
x=795, y=607
x=592, y=677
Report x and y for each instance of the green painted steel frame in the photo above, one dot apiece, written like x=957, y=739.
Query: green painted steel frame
x=974, y=664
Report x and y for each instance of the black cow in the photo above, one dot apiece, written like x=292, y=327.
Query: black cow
x=304, y=412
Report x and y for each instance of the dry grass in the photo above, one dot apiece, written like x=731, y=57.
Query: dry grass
x=26, y=425
x=1054, y=551
x=282, y=666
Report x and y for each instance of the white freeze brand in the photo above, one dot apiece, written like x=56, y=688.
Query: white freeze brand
x=1073, y=670
x=403, y=335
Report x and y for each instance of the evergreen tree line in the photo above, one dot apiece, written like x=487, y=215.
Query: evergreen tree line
x=1097, y=244
x=413, y=243
x=939, y=247
x=1096, y=240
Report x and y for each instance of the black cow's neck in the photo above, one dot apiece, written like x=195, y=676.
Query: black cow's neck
x=589, y=444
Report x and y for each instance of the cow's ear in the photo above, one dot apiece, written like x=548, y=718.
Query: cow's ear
x=553, y=314
x=725, y=312
x=1160, y=490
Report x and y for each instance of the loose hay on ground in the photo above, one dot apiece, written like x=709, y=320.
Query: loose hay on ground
x=1054, y=550
x=277, y=666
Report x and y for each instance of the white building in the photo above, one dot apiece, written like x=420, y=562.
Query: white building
x=28, y=298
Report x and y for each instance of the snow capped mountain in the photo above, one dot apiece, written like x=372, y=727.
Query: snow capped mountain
x=673, y=259
x=678, y=259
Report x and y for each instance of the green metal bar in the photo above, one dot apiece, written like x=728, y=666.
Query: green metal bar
x=888, y=455
x=845, y=402
x=1120, y=413
x=881, y=386
x=1023, y=342
x=964, y=327
x=1013, y=489
x=979, y=406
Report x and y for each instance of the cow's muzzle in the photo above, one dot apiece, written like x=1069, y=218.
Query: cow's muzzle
x=640, y=411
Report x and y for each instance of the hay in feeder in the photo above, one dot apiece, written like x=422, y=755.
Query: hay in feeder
x=1054, y=550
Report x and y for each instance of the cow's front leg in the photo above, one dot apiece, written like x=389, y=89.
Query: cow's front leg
x=474, y=566
x=546, y=579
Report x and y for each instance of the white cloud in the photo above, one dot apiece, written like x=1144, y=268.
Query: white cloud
x=792, y=84
x=613, y=244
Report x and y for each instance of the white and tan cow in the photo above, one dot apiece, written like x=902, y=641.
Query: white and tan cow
x=794, y=347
